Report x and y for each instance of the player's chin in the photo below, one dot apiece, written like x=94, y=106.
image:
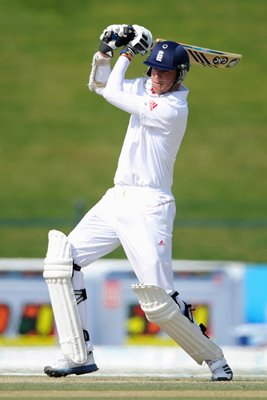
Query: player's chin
x=161, y=88
x=158, y=89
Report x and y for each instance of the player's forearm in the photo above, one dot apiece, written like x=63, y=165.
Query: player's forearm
x=99, y=73
x=114, y=92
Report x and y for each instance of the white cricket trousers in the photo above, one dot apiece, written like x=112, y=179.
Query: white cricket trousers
x=138, y=218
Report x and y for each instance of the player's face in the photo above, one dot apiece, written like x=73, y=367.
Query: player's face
x=162, y=80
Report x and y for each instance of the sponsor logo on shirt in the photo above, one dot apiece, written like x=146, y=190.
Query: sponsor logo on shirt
x=152, y=105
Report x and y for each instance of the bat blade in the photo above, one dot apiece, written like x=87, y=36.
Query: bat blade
x=209, y=57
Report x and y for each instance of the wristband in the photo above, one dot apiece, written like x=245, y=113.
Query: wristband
x=127, y=52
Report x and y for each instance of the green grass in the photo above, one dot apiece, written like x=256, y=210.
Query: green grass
x=34, y=387
x=59, y=143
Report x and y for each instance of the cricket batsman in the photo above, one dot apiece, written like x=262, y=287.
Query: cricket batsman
x=138, y=212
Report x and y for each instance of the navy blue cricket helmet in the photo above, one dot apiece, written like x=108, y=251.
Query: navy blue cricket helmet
x=168, y=55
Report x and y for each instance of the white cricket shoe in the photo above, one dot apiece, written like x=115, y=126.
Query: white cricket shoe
x=220, y=370
x=66, y=367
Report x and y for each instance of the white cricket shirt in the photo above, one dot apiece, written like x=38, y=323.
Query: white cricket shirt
x=155, y=131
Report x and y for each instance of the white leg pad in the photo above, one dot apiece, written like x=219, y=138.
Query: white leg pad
x=58, y=268
x=162, y=310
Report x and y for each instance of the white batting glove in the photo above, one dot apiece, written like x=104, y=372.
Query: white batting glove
x=115, y=36
x=117, y=29
x=142, y=41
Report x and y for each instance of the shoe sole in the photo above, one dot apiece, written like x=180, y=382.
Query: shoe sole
x=220, y=379
x=58, y=373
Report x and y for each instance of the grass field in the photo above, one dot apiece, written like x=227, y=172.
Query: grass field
x=34, y=388
x=59, y=143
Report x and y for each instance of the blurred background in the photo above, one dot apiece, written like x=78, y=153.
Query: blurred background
x=59, y=143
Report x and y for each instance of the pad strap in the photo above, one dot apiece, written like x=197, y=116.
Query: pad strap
x=76, y=267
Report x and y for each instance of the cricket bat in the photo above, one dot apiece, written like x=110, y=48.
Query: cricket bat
x=208, y=57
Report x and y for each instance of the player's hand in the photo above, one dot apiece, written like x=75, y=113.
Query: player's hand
x=115, y=36
x=141, y=43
